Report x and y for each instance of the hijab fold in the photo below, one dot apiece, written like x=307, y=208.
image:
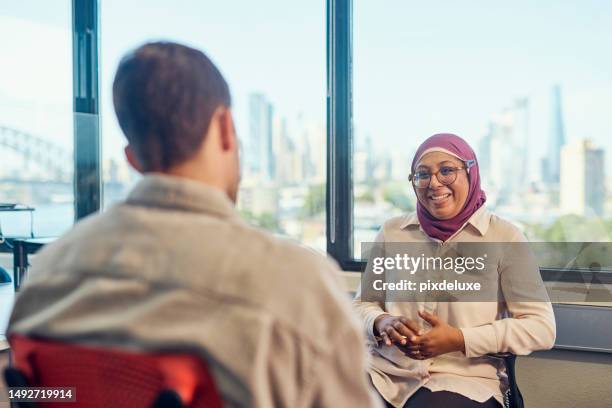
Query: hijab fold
x=456, y=146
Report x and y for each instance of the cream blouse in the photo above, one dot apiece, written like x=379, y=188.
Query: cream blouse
x=485, y=325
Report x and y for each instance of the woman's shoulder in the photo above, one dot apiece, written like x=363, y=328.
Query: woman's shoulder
x=400, y=221
x=504, y=230
x=399, y=228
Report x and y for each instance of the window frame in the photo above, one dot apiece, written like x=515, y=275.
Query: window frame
x=339, y=206
x=86, y=108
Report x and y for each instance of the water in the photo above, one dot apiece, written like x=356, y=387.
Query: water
x=48, y=220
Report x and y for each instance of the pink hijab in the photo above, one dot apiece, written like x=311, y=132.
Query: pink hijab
x=453, y=144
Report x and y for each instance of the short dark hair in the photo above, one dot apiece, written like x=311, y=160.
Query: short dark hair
x=165, y=95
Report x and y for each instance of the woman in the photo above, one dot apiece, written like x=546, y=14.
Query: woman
x=447, y=365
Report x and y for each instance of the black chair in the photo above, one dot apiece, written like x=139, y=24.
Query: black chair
x=512, y=397
x=15, y=379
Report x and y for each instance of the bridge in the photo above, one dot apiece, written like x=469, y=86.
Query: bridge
x=52, y=158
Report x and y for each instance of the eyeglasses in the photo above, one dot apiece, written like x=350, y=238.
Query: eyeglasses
x=446, y=175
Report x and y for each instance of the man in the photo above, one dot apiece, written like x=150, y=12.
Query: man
x=174, y=268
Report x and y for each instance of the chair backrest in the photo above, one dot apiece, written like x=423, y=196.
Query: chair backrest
x=113, y=378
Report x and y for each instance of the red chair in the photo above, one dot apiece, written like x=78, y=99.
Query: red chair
x=109, y=377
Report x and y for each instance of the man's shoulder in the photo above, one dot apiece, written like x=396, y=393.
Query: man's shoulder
x=298, y=285
x=206, y=253
x=286, y=260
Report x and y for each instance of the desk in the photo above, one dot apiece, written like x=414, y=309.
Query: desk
x=21, y=249
x=11, y=208
x=17, y=208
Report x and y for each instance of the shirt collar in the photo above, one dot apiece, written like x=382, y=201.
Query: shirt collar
x=411, y=219
x=163, y=191
x=479, y=220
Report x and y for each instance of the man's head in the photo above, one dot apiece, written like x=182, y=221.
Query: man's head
x=173, y=105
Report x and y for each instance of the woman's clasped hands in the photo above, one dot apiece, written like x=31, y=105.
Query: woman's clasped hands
x=407, y=335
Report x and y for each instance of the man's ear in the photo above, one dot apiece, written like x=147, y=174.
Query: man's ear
x=130, y=155
x=226, y=128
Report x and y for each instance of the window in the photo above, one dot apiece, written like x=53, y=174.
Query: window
x=36, y=121
x=273, y=56
x=521, y=81
x=526, y=84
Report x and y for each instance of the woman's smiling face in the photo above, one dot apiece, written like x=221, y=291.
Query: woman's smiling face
x=442, y=202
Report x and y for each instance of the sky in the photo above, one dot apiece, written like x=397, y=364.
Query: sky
x=427, y=67
x=419, y=67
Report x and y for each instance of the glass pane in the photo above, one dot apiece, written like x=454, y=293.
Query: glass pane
x=527, y=84
x=273, y=56
x=36, y=121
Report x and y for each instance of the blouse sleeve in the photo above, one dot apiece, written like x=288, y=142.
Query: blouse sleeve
x=531, y=322
x=368, y=311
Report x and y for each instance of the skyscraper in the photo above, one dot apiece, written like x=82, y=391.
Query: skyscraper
x=283, y=148
x=556, y=138
x=259, y=155
x=582, y=179
x=520, y=132
x=503, y=158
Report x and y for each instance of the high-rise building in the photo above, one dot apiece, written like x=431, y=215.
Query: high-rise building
x=317, y=158
x=284, y=152
x=259, y=155
x=515, y=139
x=582, y=179
x=502, y=156
x=556, y=138
x=371, y=160
x=484, y=153
x=400, y=166
x=521, y=141
x=360, y=166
